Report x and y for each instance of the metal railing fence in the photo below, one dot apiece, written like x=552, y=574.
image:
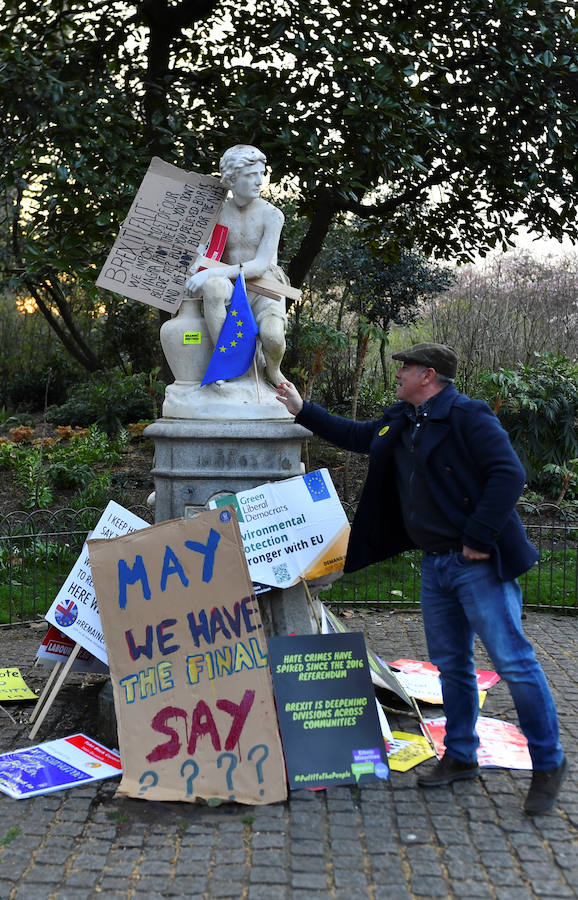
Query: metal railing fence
x=38, y=549
x=552, y=584
x=37, y=552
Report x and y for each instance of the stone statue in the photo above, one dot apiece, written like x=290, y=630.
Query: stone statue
x=254, y=228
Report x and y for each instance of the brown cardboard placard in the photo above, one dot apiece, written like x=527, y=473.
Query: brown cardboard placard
x=188, y=662
x=173, y=213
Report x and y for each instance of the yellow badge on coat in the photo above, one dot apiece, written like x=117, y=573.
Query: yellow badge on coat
x=383, y=431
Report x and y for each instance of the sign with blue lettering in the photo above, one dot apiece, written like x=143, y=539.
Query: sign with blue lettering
x=55, y=766
x=188, y=663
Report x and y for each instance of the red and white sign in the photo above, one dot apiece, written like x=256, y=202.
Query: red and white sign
x=57, y=647
x=413, y=666
x=502, y=744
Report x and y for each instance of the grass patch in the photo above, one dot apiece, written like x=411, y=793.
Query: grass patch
x=552, y=583
x=10, y=836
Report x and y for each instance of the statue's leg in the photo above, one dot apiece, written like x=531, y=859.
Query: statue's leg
x=216, y=294
x=272, y=334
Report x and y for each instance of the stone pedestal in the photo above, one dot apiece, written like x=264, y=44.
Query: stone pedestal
x=197, y=459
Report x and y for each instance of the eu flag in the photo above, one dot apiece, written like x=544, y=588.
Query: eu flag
x=234, y=351
x=316, y=486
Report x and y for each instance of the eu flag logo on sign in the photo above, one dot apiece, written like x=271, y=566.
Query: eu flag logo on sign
x=235, y=348
x=316, y=486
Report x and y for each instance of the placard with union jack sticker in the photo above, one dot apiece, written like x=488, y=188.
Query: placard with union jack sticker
x=75, y=610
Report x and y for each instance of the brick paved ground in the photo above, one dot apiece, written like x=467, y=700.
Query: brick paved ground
x=384, y=842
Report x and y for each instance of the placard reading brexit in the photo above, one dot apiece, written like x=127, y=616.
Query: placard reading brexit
x=188, y=663
x=291, y=529
x=172, y=214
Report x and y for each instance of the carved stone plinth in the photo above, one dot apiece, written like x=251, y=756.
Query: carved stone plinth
x=196, y=459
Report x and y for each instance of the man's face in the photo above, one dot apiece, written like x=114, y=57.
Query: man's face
x=411, y=379
x=247, y=184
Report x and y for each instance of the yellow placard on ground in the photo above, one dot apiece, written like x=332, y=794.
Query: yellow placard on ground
x=13, y=686
x=407, y=751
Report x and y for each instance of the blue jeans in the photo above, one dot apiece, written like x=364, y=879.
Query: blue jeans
x=459, y=599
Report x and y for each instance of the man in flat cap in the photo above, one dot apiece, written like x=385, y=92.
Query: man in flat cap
x=444, y=477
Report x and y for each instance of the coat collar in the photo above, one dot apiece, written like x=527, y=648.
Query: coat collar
x=441, y=406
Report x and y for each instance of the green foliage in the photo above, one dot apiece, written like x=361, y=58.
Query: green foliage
x=32, y=477
x=10, y=836
x=537, y=404
x=109, y=401
x=84, y=465
x=97, y=493
x=74, y=466
x=443, y=126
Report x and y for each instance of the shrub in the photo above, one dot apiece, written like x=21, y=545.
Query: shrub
x=537, y=404
x=109, y=401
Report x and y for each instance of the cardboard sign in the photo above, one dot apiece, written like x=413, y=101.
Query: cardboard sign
x=55, y=766
x=502, y=744
x=188, y=663
x=57, y=647
x=291, y=529
x=75, y=610
x=172, y=214
x=326, y=706
x=13, y=686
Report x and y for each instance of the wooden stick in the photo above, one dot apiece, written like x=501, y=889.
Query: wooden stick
x=268, y=287
x=4, y=710
x=59, y=681
x=256, y=377
x=40, y=702
x=311, y=604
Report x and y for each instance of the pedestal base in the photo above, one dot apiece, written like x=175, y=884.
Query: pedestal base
x=196, y=459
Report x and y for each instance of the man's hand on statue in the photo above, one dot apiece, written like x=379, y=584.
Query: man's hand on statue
x=474, y=555
x=289, y=396
x=196, y=281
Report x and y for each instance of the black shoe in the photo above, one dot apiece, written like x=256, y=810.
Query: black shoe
x=544, y=789
x=447, y=770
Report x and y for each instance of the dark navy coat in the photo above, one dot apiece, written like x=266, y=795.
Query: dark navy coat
x=473, y=472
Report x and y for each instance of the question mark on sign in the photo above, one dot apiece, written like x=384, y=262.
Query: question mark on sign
x=145, y=786
x=191, y=778
x=259, y=763
x=232, y=767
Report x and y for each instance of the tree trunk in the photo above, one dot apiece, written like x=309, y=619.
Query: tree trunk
x=313, y=240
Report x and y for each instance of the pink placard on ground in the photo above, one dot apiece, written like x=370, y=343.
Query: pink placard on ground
x=502, y=744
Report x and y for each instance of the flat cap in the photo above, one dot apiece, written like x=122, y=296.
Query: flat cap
x=435, y=356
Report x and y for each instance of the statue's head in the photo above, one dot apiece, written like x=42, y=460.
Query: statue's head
x=236, y=158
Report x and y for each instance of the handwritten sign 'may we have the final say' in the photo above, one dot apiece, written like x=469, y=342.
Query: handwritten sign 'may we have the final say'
x=188, y=662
